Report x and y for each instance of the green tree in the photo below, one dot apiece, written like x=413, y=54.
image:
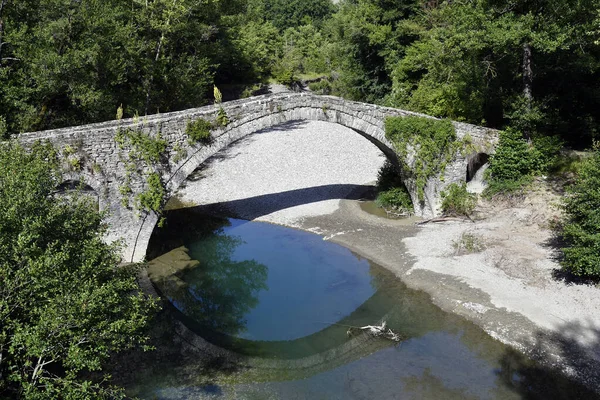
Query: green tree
x=290, y=13
x=65, y=306
x=582, y=227
x=369, y=37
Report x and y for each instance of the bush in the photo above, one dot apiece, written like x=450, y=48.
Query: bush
x=582, y=227
x=513, y=165
x=456, y=200
x=468, y=243
x=392, y=191
x=397, y=199
x=546, y=151
x=321, y=87
x=388, y=177
x=199, y=130
x=65, y=306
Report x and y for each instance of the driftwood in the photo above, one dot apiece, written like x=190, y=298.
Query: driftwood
x=444, y=219
x=377, y=331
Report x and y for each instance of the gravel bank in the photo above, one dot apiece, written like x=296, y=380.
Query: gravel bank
x=283, y=175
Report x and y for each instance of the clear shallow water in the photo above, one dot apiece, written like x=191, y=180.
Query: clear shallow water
x=293, y=282
x=260, y=289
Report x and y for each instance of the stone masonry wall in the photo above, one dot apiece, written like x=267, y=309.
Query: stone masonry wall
x=103, y=164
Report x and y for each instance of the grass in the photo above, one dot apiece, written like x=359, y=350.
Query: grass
x=468, y=243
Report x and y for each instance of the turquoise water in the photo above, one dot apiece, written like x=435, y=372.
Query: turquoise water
x=286, y=298
x=291, y=283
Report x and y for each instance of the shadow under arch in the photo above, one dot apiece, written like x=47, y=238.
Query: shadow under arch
x=371, y=131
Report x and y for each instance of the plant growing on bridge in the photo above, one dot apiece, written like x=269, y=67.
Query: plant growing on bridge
x=431, y=142
x=142, y=146
x=199, y=130
x=65, y=307
x=222, y=118
x=153, y=198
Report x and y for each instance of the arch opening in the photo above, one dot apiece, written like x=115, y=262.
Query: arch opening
x=331, y=112
x=475, y=163
x=71, y=188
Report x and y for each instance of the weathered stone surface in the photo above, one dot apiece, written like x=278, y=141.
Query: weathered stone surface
x=104, y=163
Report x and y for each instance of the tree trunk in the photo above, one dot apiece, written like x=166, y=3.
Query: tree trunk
x=527, y=84
x=527, y=76
x=3, y=3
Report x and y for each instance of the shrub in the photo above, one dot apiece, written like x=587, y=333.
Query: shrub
x=199, y=130
x=513, y=165
x=456, y=200
x=388, y=177
x=397, y=199
x=392, y=191
x=546, y=151
x=286, y=76
x=582, y=227
x=321, y=87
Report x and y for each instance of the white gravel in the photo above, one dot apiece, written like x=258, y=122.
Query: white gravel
x=515, y=271
x=268, y=175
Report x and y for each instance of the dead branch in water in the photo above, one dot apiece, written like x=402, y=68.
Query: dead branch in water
x=377, y=331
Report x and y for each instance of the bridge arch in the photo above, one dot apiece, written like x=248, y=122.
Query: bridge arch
x=363, y=125
x=104, y=159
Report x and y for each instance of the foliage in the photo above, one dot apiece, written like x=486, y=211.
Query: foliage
x=199, y=130
x=369, y=37
x=65, y=63
x=456, y=200
x=388, y=177
x=286, y=76
x=3, y=128
x=142, y=146
x=396, y=198
x=392, y=192
x=323, y=86
x=222, y=118
x=291, y=13
x=582, y=227
x=515, y=162
x=432, y=141
x=65, y=307
x=153, y=198
x=260, y=45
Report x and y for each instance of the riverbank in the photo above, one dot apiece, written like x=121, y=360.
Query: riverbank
x=296, y=175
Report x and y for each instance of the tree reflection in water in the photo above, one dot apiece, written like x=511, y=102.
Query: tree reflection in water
x=216, y=292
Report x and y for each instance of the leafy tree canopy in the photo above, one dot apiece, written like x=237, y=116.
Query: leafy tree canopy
x=65, y=306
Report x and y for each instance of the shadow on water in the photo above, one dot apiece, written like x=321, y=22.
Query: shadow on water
x=257, y=206
x=578, y=348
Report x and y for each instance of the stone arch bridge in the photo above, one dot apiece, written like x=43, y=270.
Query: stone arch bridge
x=96, y=155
